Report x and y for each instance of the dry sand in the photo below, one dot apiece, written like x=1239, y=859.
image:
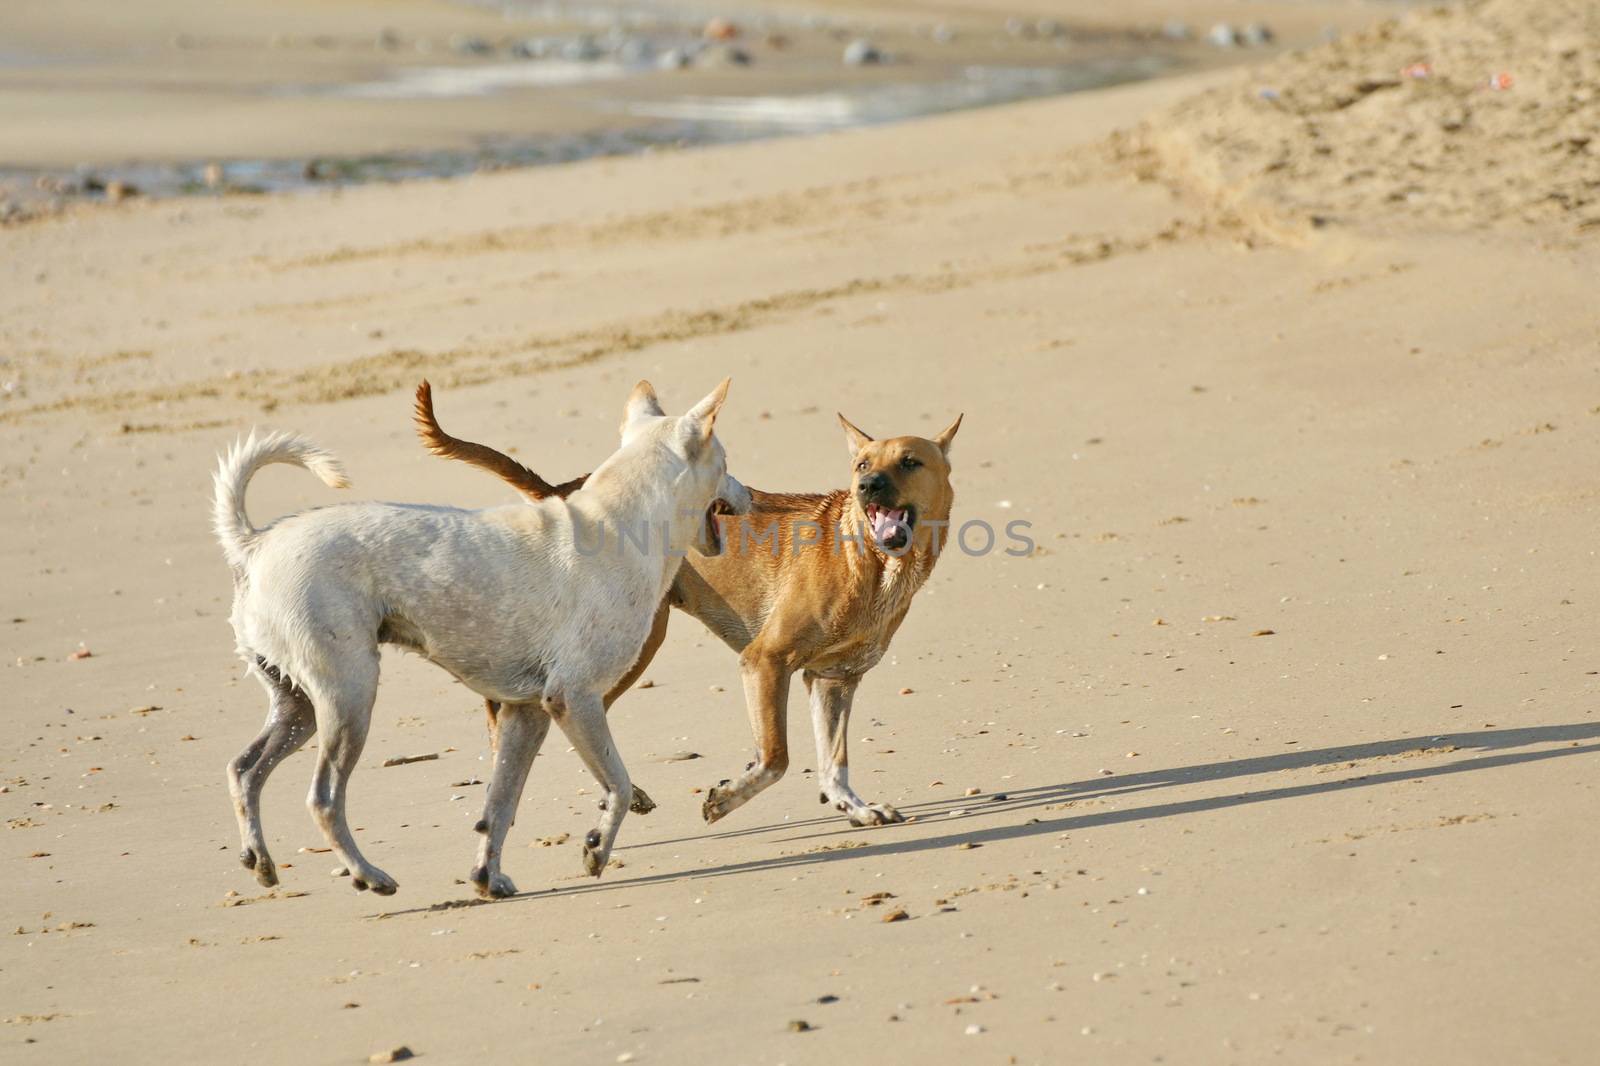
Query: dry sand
x=1284, y=743
x=1482, y=114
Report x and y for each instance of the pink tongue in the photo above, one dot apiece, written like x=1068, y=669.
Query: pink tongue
x=884, y=523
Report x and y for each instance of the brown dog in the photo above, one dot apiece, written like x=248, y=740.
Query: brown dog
x=811, y=583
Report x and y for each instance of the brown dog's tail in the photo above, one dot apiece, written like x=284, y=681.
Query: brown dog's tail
x=501, y=465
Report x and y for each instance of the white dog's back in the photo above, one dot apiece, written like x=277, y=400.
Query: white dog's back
x=496, y=597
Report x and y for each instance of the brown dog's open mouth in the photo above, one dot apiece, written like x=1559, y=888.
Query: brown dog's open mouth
x=713, y=539
x=891, y=526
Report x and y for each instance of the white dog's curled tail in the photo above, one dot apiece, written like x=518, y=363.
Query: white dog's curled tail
x=240, y=463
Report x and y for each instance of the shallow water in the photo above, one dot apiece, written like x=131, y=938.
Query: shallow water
x=974, y=86
x=636, y=106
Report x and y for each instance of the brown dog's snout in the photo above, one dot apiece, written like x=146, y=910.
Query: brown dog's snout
x=876, y=483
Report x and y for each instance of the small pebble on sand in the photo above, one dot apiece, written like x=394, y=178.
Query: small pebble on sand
x=862, y=53
x=1256, y=35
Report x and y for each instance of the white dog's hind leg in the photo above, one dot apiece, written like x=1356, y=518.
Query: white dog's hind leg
x=290, y=721
x=344, y=711
x=521, y=729
x=831, y=699
x=582, y=717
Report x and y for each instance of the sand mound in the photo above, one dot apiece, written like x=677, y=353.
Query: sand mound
x=1485, y=114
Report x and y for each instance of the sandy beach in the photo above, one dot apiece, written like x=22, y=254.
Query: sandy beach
x=1282, y=747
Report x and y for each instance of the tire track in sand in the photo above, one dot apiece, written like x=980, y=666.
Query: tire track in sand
x=399, y=368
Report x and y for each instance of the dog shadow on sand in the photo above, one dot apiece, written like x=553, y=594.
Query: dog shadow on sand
x=1052, y=809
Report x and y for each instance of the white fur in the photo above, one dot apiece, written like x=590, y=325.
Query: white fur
x=502, y=598
x=239, y=464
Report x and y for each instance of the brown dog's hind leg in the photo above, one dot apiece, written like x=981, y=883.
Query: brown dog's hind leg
x=831, y=699
x=766, y=695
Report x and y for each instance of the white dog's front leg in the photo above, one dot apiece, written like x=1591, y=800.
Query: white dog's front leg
x=582, y=717
x=521, y=729
x=831, y=700
x=343, y=714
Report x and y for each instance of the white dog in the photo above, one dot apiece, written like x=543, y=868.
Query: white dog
x=540, y=606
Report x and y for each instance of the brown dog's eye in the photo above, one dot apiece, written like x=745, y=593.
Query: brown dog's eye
x=862, y=466
x=908, y=463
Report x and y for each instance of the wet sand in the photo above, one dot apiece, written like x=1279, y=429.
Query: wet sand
x=93, y=92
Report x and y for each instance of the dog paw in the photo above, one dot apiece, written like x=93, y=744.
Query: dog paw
x=875, y=814
x=375, y=879
x=493, y=886
x=265, y=869
x=716, y=804
x=594, y=859
x=641, y=802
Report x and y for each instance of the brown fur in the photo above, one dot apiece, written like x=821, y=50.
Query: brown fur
x=825, y=609
x=531, y=485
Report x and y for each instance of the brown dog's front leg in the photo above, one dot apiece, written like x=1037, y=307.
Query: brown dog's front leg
x=641, y=802
x=766, y=695
x=831, y=699
x=491, y=711
x=652, y=644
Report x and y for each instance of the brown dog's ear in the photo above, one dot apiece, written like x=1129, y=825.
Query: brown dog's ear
x=943, y=440
x=856, y=439
x=700, y=419
x=641, y=402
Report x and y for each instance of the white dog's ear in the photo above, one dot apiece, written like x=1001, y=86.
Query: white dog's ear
x=642, y=402
x=853, y=436
x=700, y=419
x=943, y=440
